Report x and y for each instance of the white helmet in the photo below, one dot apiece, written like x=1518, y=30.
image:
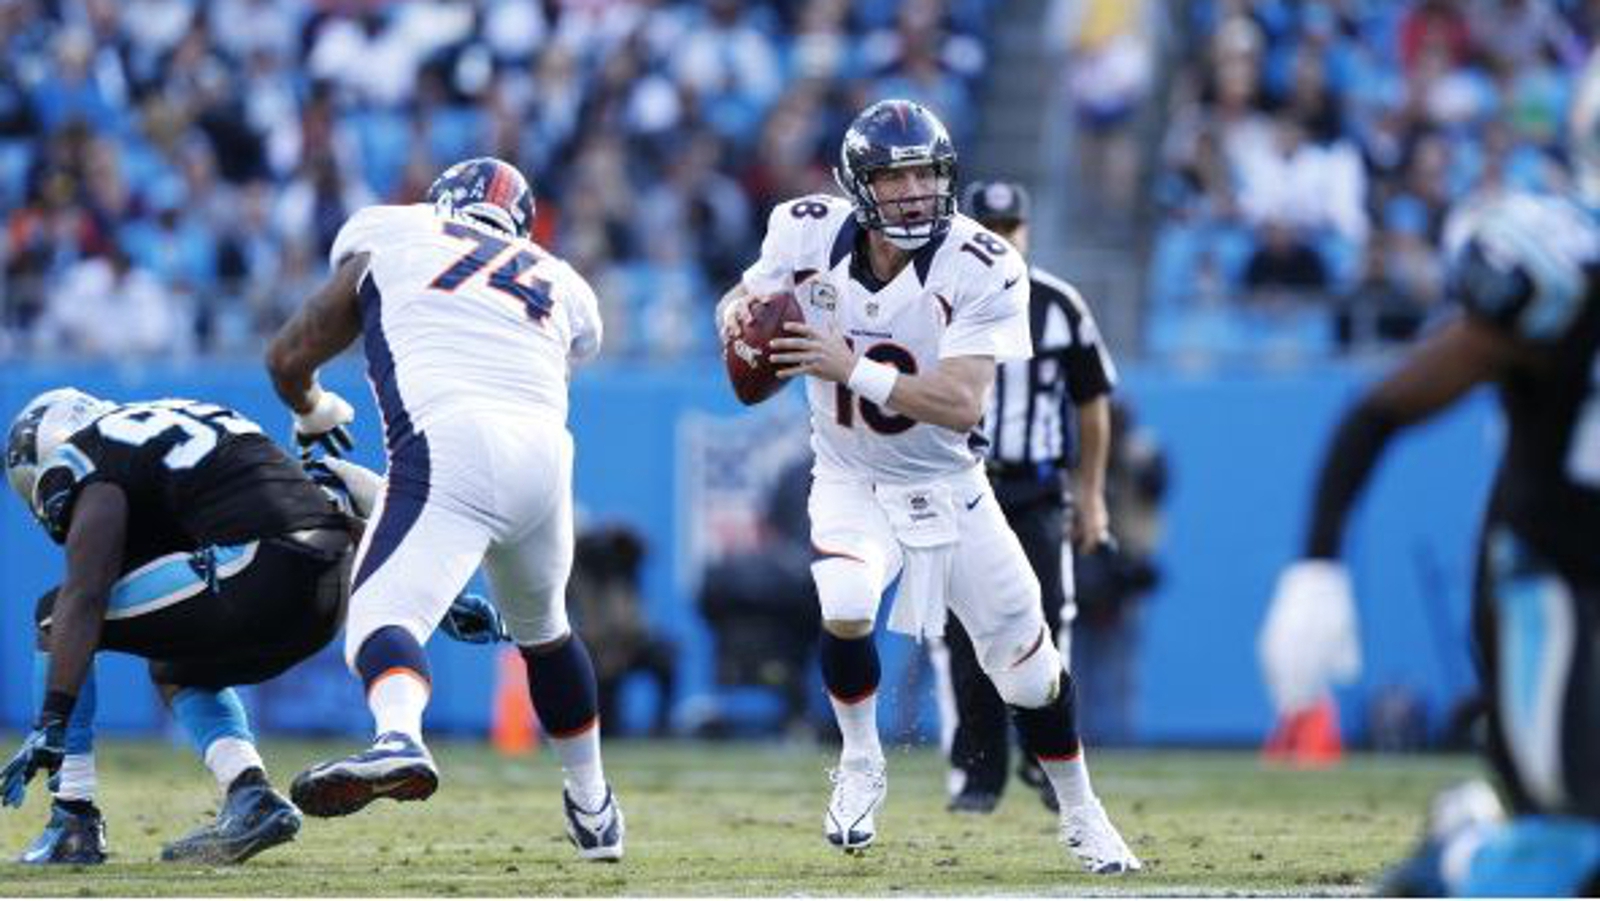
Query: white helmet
x=41, y=427
x=1583, y=133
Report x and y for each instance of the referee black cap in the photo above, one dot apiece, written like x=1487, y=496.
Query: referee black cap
x=996, y=202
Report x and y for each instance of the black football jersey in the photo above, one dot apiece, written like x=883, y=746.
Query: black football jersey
x=195, y=474
x=1532, y=271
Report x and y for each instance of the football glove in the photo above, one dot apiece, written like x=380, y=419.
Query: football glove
x=360, y=484
x=324, y=426
x=1309, y=640
x=474, y=619
x=43, y=749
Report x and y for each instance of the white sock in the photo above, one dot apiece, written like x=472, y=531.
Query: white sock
x=1070, y=779
x=230, y=756
x=858, y=724
x=78, y=781
x=397, y=700
x=580, y=763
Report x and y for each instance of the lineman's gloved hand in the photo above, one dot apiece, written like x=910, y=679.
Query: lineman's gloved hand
x=475, y=619
x=324, y=425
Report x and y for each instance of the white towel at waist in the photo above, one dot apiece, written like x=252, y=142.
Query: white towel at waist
x=924, y=522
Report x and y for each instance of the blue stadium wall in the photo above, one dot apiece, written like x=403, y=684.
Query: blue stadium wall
x=1242, y=444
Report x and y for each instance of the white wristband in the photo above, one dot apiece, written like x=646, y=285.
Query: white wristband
x=873, y=380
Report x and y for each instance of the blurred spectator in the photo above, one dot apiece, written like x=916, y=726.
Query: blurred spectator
x=1284, y=262
x=604, y=596
x=168, y=125
x=1402, y=281
x=1110, y=69
x=106, y=306
x=1328, y=140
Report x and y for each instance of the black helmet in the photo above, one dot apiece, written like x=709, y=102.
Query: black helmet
x=488, y=190
x=892, y=134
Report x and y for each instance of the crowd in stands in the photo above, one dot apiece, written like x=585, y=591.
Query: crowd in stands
x=1314, y=151
x=172, y=172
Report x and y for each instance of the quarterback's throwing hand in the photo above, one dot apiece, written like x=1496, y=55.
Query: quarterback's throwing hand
x=808, y=350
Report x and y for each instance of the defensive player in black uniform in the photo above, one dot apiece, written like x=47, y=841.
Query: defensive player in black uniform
x=1526, y=270
x=193, y=541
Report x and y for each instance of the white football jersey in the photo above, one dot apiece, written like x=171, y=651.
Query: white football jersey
x=965, y=294
x=457, y=316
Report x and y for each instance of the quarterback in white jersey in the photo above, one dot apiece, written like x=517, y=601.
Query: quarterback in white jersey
x=470, y=331
x=908, y=306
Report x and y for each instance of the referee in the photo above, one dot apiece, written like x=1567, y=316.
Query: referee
x=1049, y=432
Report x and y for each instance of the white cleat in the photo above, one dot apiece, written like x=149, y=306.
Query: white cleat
x=858, y=792
x=598, y=834
x=1088, y=833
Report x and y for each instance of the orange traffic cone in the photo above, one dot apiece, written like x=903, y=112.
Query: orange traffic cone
x=1307, y=738
x=513, y=728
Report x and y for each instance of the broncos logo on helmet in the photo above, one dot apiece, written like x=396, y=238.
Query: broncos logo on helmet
x=487, y=190
x=894, y=134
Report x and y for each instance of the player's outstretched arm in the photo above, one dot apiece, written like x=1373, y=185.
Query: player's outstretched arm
x=1309, y=639
x=1438, y=372
x=94, y=561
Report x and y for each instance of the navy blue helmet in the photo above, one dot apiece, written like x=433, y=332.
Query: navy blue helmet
x=487, y=190
x=893, y=134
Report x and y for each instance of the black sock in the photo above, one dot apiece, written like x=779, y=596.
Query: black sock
x=1051, y=731
x=850, y=667
x=253, y=776
x=77, y=806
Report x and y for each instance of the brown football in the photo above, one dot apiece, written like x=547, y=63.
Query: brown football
x=750, y=368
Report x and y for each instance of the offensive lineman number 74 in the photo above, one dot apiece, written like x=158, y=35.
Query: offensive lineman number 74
x=507, y=278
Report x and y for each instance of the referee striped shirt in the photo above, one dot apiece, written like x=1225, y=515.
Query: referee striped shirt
x=1032, y=421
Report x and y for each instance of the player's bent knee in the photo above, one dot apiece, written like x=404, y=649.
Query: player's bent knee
x=1032, y=683
x=847, y=590
x=550, y=627
x=847, y=628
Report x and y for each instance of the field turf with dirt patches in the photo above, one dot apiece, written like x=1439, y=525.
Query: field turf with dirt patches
x=742, y=819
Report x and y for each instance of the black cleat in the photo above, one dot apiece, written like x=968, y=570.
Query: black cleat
x=394, y=767
x=73, y=836
x=253, y=819
x=974, y=800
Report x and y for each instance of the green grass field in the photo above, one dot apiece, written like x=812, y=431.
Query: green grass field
x=738, y=820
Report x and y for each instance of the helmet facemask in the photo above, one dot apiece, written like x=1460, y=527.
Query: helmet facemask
x=908, y=222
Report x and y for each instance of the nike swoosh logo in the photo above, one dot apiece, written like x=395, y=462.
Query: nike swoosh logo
x=1011, y=282
x=972, y=504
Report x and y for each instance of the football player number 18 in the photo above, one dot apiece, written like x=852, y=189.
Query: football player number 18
x=877, y=418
